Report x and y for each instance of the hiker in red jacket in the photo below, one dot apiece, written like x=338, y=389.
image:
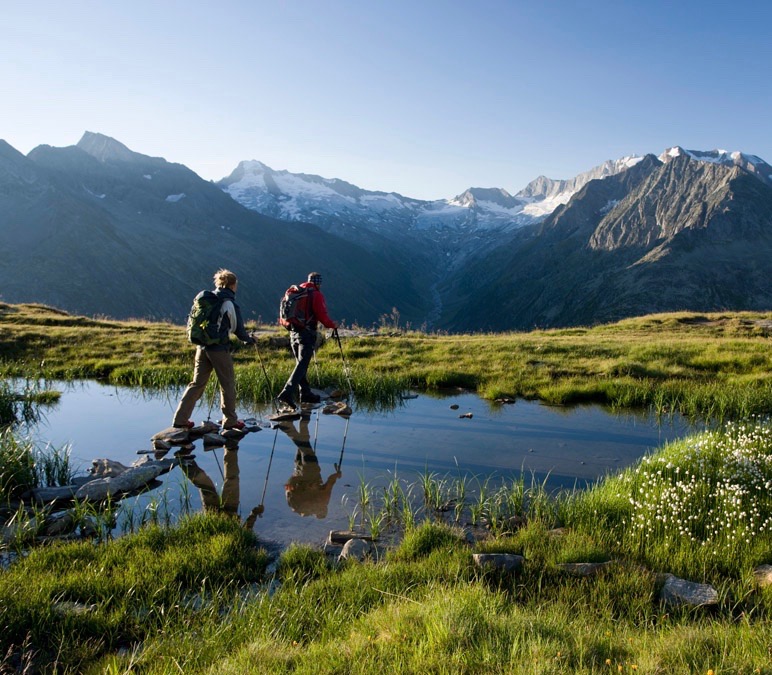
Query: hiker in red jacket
x=303, y=343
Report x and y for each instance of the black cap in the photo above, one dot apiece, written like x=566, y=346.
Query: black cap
x=315, y=278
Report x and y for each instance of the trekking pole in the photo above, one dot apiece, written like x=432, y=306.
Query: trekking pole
x=345, y=365
x=316, y=366
x=268, y=383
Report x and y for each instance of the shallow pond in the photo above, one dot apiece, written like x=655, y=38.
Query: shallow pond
x=290, y=470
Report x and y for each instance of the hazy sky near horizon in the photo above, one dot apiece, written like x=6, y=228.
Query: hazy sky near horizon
x=422, y=97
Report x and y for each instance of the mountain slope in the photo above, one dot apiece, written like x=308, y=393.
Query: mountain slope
x=109, y=231
x=685, y=234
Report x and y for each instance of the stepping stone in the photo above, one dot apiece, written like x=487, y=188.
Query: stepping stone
x=285, y=416
x=339, y=408
x=172, y=435
x=214, y=440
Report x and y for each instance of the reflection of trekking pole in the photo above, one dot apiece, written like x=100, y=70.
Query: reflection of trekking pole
x=345, y=365
x=342, y=447
x=261, y=506
x=267, y=380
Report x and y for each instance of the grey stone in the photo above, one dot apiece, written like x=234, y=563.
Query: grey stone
x=52, y=495
x=762, y=575
x=133, y=478
x=357, y=549
x=508, y=562
x=682, y=592
x=106, y=467
x=58, y=523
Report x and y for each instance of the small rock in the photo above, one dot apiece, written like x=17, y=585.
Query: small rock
x=58, y=523
x=454, y=406
x=339, y=408
x=763, y=575
x=214, y=440
x=682, y=592
x=508, y=562
x=340, y=537
x=106, y=467
x=52, y=495
x=357, y=549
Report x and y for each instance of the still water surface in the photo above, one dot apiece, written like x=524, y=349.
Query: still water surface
x=304, y=499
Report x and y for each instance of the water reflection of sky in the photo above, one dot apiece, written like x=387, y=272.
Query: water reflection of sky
x=304, y=497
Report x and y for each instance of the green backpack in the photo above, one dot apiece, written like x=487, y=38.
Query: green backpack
x=204, y=320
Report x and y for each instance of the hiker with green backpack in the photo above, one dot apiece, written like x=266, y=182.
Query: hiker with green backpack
x=214, y=317
x=301, y=309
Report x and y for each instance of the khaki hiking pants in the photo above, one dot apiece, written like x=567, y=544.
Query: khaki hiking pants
x=207, y=360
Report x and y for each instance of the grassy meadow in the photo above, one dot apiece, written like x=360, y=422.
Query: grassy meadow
x=204, y=596
x=713, y=366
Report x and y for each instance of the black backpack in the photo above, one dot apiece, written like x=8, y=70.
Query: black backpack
x=295, y=312
x=204, y=319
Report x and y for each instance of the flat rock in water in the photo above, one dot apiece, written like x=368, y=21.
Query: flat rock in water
x=51, y=495
x=214, y=439
x=101, y=468
x=172, y=436
x=285, y=416
x=339, y=408
x=182, y=435
x=130, y=480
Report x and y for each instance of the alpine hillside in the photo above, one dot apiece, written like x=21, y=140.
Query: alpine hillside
x=683, y=231
x=98, y=229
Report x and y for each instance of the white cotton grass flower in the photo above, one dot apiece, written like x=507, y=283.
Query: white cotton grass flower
x=712, y=490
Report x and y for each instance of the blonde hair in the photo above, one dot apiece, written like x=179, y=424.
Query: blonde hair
x=224, y=278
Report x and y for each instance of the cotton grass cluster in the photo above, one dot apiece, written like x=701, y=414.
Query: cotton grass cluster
x=711, y=491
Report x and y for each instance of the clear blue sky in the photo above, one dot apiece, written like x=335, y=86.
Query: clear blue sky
x=421, y=97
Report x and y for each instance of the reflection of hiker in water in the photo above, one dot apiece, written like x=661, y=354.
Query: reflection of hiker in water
x=228, y=502
x=306, y=493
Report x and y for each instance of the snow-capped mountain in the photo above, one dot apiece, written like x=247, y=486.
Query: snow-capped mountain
x=449, y=230
x=749, y=163
x=334, y=204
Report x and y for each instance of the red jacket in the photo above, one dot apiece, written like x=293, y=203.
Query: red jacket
x=319, y=306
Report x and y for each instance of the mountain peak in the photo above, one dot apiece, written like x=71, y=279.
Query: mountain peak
x=104, y=148
x=750, y=163
x=471, y=198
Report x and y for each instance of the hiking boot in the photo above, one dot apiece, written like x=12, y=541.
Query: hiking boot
x=286, y=398
x=238, y=425
x=185, y=425
x=309, y=397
